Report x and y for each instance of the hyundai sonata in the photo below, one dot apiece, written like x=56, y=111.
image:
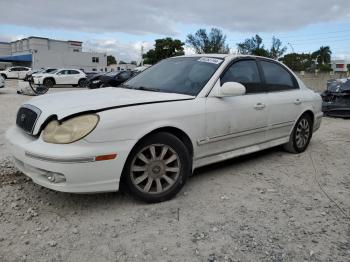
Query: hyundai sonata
x=155, y=129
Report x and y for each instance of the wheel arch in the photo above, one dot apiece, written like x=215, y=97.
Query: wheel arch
x=177, y=132
x=307, y=112
x=51, y=78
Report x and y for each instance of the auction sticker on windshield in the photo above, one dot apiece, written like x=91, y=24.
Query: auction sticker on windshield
x=210, y=60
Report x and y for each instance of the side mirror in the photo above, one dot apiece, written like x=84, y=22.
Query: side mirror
x=231, y=89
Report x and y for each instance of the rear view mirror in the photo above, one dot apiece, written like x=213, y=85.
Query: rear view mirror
x=231, y=89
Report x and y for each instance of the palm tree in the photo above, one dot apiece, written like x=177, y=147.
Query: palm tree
x=323, y=55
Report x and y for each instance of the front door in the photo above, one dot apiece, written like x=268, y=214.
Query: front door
x=239, y=121
x=62, y=77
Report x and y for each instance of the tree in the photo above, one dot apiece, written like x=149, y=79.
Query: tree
x=111, y=60
x=254, y=46
x=164, y=48
x=276, y=49
x=251, y=46
x=298, y=62
x=323, y=55
x=204, y=43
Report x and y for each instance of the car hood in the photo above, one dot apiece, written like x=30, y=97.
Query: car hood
x=64, y=104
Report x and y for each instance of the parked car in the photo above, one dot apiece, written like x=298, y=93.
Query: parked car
x=91, y=73
x=29, y=76
x=2, y=82
x=115, y=78
x=72, y=77
x=93, y=81
x=155, y=129
x=18, y=72
x=336, y=99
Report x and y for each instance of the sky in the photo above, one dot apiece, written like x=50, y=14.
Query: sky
x=120, y=28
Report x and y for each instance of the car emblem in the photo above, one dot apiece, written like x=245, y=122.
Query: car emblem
x=23, y=117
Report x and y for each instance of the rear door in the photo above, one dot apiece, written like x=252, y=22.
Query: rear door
x=22, y=72
x=238, y=121
x=74, y=77
x=285, y=98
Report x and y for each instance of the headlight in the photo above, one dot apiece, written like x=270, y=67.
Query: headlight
x=71, y=130
x=38, y=76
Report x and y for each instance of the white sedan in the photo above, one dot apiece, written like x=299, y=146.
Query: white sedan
x=153, y=131
x=72, y=77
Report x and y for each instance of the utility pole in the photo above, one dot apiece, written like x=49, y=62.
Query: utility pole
x=141, y=54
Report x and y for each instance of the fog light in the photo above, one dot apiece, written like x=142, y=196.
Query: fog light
x=55, y=177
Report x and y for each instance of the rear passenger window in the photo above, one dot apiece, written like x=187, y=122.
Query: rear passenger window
x=245, y=72
x=73, y=72
x=276, y=77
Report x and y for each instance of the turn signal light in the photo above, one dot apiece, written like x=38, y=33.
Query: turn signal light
x=105, y=157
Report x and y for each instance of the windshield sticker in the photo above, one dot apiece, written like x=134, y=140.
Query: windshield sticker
x=210, y=60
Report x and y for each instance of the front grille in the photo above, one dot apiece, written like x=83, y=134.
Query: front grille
x=26, y=117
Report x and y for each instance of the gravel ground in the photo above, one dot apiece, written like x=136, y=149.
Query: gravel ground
x=268, y=206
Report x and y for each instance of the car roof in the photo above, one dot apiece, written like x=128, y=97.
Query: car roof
x=225, y=56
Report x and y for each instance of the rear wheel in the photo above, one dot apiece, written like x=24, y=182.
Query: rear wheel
x=81, y=82
x=157, y=168
x=4, y=76
x=301, y=135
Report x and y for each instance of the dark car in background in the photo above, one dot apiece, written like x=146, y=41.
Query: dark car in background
x=116, y=78
x=336, y=99
x=93, y=80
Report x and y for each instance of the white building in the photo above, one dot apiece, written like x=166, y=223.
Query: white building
x=340, y=65
x=121, y=67
x=39, y=52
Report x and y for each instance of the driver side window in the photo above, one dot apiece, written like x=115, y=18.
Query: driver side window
x=245, y=72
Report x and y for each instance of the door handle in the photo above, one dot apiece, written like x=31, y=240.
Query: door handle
x=259, y=106
x=297, y=101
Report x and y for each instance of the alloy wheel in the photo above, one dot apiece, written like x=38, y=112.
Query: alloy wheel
x=302, y=133
x=155, y=169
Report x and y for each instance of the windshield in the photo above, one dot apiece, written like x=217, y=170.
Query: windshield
x=184, y=75
x=54, y=71
x=113, y=73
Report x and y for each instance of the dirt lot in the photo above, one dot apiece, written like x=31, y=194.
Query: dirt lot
x=269, y=206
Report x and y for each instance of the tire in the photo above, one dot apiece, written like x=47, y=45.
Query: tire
x=48, y=83
x=38, y=89
x=301, y=135
x=81, y=82
x=4, y=76
x=148, y=174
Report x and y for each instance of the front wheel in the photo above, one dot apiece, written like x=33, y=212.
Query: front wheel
x=48, y=83
x=157, y=168
x=301, y=135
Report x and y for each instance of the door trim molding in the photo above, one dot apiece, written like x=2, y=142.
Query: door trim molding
x=207, y=140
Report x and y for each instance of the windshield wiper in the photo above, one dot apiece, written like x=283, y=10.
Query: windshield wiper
x=126, y=86
x=143, y=88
